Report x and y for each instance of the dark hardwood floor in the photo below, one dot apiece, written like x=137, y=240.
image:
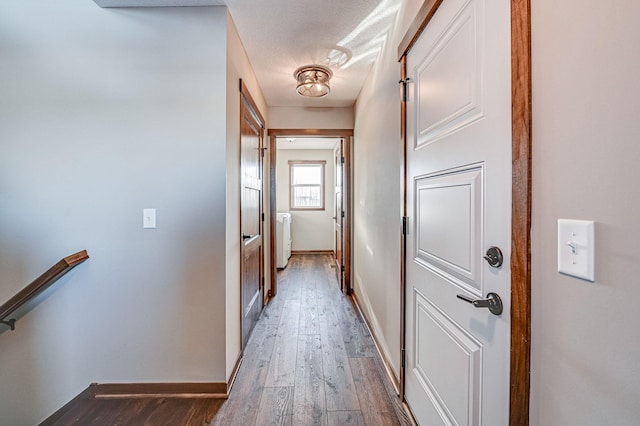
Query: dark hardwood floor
x=310, y=359
x=139, y=411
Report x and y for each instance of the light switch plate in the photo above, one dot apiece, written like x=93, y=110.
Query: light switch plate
x=576, y=248
x=148, y=218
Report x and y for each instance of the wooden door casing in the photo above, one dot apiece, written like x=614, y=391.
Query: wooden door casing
x=347, y=135
x=251, y=211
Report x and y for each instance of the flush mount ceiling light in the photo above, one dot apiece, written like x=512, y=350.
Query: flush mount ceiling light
x=313, y=80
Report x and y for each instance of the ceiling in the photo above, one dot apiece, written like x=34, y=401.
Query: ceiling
x=282, y=35
x=306, y=143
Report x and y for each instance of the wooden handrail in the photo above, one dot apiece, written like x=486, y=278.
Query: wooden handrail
x=39, y=285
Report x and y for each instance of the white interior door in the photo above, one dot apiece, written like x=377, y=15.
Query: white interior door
x=337, y=212
x=459, y=205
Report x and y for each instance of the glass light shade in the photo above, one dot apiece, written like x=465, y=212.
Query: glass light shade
x=313, y=81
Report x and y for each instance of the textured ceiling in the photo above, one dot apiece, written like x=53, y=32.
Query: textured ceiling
x=282, y=35
x=158, y=3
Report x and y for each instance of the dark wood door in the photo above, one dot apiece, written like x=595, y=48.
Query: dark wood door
x=338, y=215
x=251, y=222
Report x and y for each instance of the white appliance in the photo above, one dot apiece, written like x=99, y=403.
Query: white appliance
x=283, y=239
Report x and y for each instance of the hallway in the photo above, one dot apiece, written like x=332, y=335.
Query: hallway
x=310, y=359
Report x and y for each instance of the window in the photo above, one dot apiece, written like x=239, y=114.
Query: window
x=307, y=185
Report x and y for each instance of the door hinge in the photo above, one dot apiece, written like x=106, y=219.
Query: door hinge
x=262, y=283
x=341, y=268
x=403, y=89
x=342, y=160
x=342, y=214
x=263, y=217
x=262, y=150
x=405, y=221
x=403, y=357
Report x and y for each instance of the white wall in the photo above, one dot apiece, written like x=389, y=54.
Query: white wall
x=378, y=193
x=105, y=112
x=310, y=230
x=585, y=343
x=238, y=67
x=310, y=118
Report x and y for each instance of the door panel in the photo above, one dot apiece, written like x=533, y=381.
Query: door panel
x=453, y=391
x=251, y=286
x=251, y=224
x=449, y=78
x=449, y=231
x=459, y=204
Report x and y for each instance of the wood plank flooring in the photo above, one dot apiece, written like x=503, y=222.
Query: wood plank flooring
x=139, y=411
x=310, y=359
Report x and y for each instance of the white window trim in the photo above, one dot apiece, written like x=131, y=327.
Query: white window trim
x=293, y=163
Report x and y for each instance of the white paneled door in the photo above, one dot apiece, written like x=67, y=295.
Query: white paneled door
x=459, y=206
x=338, y=157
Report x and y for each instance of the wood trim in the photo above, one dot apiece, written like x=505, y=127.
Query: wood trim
x=336, y=133
x=403, y=239
x=521, y=195
x=347, y=222
x=141, y=390
x=272, y=215
x=409, y=413
x=88, y=393
x=311, y=252
x=520, y=212
x=245, y=92
x=323, y=162
x=347, y=135
x=234, y=372
x=397, y=385
x=159, y=390
x=426, y=12
x=41, y=283
x=385, y=360
x=302, y=209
